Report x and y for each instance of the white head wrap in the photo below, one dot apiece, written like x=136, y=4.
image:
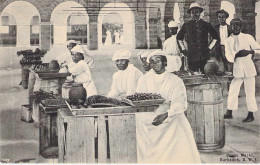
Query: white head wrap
x=71, y=42
x=77, y=49
x=143, y=54
x=156, y=53
x=121, y=54
x=172, y=24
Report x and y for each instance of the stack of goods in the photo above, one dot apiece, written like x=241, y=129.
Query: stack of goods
x=40, y=95
x=144, y=96
x=99, y=101
x=30, y=57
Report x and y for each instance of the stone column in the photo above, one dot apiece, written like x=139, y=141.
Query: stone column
x=93, y=33
x=45, y=35
x=23, y=36
x=59, y=34
x=248, y=16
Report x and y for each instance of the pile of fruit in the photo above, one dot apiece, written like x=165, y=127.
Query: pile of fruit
x=40, y=95
x=144, y=96
x=30, y=57
x=99, y=101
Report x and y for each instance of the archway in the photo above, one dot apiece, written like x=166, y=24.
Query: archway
x=111, y=14
x=14, y=10
x=230, y=8
x=257, y=21
x=63, y=19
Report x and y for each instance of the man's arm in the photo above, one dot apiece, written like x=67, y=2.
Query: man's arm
x=180, y=38
x=214, y=35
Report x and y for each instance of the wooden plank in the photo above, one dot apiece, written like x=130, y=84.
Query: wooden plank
x=54, y=135
x=44, y=131
x=191, y=116
x=209, y=123
x=102, y=140
x=61, y=138
x=216, y=123
x=80, y=140
x=200, y=131
x=208, y=96
x=122, y=139
x=221, y=123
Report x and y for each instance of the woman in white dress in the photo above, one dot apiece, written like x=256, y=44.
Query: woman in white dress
x=108, y=38
x=165, y=136
x=117, y=40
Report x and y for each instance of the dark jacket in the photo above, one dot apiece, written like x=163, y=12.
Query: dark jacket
x=197, y=37
x=218, y=52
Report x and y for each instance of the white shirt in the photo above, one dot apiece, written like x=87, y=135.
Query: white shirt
x=141, y=86
x=170, y=46
x=223, y=32
x=243, y=66
x=82, y=75
x=170, y=87
x=125, y=82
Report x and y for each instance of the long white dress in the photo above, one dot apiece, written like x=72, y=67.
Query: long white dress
x=125, y=82
x=173, y=59
x=117, y=40
x=108, y=38
x=82, y=75
x=172, y=141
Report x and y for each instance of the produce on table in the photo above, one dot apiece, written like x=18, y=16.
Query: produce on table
x=106, y=101
x=144, y=96
x=40, y=95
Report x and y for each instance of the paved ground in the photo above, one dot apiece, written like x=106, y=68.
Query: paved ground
x=19, y=140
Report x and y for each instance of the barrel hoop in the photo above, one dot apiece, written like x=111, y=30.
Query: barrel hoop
x=206, y=102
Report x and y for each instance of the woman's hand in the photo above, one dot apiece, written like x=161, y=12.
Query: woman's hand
x=159, y=119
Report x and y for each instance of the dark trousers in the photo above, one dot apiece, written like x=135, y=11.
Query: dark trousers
x=196, y=66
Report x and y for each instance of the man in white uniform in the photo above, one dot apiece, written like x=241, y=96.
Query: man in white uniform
x=143, y=57
x=80, y=71
x=165, y=136
x=170, y=46
x=125, y=80
x=239, y=48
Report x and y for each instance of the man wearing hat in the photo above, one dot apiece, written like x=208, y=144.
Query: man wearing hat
x=239, y=48
x=125, y=80
x=165, y=136
x=224, y=31
x=170, y=46
x=196, y=31
x=80, y=71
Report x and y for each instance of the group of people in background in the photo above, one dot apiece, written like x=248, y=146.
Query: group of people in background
x=165, y=136
x=118, y=35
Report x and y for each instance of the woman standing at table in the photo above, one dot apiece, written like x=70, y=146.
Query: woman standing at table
x=80, y=71
x=165, y=136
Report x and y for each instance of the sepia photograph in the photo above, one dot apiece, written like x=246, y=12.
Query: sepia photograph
x=130, y=81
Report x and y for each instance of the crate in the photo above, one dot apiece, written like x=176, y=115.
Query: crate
x=48, y=135
x=96, y=138
x=26, y=114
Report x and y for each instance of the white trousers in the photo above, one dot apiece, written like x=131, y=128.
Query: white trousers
x=249, y=85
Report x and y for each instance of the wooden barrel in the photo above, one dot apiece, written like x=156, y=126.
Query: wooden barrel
x=205, y=114
x=66, y=88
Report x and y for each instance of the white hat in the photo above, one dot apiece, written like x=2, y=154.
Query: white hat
x=77, y=49
x=195, y=5
x=156, y=53
x=143, y=54
x=71, y=42
x=121, y=54
x=172, y=24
